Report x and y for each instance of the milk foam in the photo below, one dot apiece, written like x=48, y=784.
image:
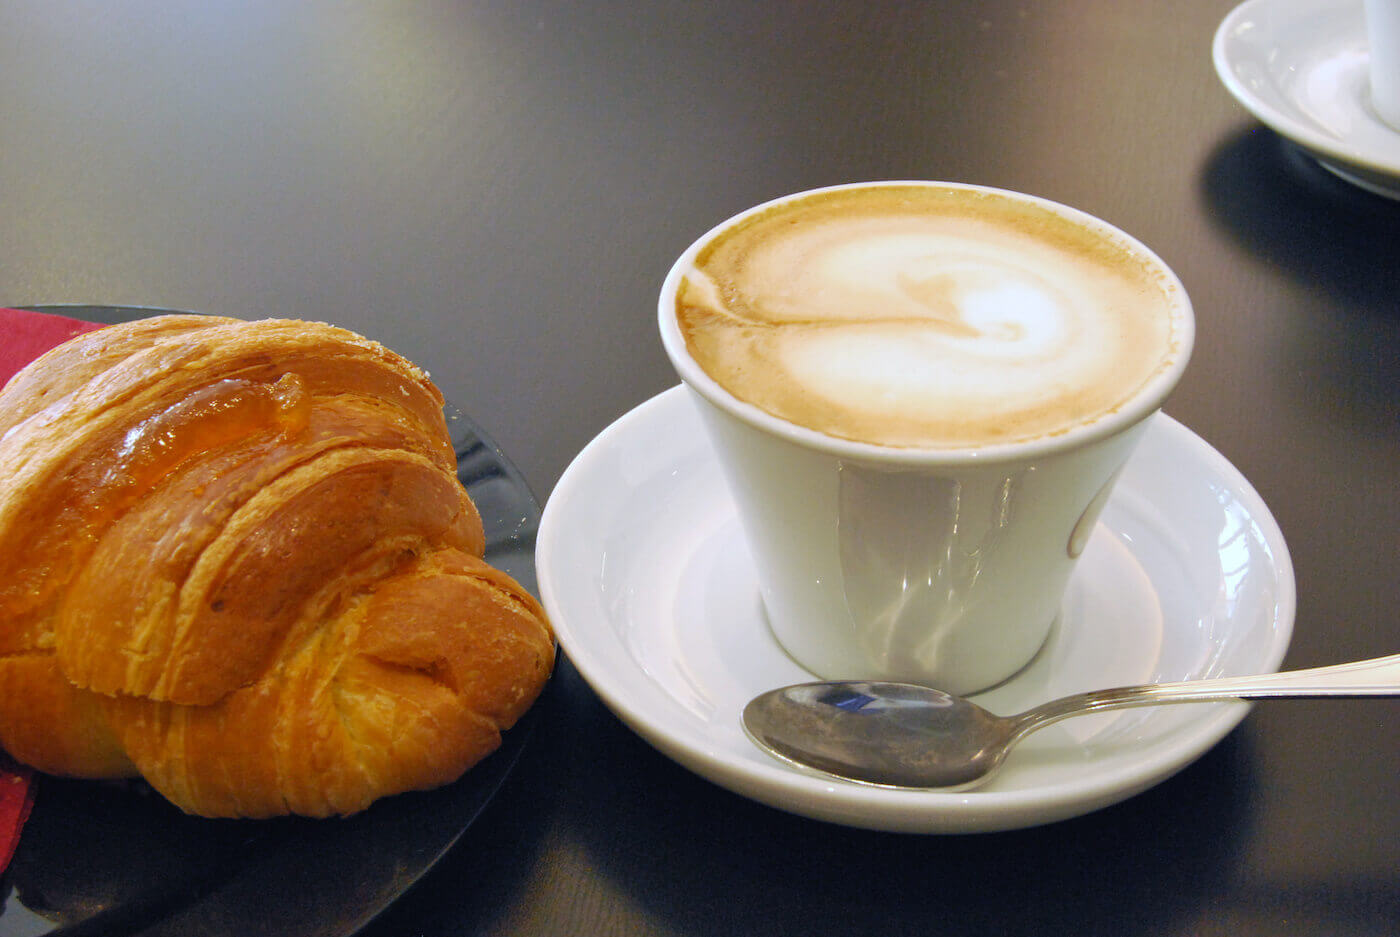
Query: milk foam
x=924, y=317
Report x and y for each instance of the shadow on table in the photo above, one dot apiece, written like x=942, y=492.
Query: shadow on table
x=1282, y=206
x=1341, y=244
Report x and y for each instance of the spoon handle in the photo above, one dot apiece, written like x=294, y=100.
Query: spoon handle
x=1379, y=676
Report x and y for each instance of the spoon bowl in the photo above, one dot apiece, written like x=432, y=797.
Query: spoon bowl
x=910, y=736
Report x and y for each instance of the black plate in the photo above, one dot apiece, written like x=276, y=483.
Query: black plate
x=115, y=859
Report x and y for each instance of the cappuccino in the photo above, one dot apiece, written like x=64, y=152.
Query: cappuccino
x=919, y=394
x=929, y=316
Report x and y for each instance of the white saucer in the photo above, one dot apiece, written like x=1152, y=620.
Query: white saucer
x=645, y=574
x=1301, y=67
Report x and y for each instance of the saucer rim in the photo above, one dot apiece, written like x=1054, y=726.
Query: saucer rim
x=809, y=794
x=1327, y=149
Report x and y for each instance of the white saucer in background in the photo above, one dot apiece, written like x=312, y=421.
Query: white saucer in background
x=1301, y=67
x=645, y=574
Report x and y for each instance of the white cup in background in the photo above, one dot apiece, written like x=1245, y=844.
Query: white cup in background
x=908, y=517
x=1383, y=33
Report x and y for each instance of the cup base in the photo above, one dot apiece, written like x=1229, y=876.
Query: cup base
x=949, y=683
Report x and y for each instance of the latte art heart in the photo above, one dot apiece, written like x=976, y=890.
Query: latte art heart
x=931, y=318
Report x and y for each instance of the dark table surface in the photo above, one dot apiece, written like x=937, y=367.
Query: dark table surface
x=497, y=189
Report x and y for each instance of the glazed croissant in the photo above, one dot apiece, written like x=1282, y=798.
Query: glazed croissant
x=235, y=559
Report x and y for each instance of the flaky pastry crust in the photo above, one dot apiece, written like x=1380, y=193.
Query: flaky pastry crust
x=235, y=560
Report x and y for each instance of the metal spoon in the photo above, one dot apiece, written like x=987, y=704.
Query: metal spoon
x=902, y=735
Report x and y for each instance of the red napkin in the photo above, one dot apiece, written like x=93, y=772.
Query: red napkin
x=16, y=799
x=24, y=336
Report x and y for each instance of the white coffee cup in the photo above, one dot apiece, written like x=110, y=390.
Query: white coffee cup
x=940, y=563
x=1383, y=34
